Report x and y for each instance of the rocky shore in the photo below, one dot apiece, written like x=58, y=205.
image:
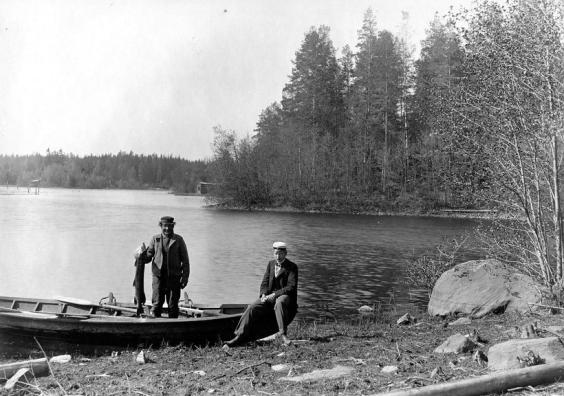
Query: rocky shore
x=370, y=353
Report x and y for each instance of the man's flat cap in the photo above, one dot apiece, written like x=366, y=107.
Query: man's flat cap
x=166, y=219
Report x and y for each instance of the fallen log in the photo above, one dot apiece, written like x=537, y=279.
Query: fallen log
x=491, y=383
x=38, y=367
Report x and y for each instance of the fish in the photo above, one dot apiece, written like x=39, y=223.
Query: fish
x=139, y=284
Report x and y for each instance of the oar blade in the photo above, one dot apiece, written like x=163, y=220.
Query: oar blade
x=75, y=301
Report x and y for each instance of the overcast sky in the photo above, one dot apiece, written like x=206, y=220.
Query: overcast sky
x=155, y=76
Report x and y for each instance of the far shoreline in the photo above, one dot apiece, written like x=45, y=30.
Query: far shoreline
x=458, y=213
x=482, y=214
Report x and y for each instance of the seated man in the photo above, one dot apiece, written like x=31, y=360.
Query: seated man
x=278, y=302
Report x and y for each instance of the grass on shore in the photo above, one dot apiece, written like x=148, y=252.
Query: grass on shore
x=365, y=344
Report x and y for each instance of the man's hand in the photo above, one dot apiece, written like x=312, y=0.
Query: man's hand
x=139, y=251
x=183, y=283
x=263, y=298
x=271, y=297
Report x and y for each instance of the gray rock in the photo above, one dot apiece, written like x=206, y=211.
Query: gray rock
x=515, y=353
x=476, y=288
x=456, y=343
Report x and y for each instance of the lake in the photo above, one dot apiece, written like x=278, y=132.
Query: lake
x=80, y=243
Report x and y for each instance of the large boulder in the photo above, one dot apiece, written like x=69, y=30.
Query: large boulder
x=476, y=288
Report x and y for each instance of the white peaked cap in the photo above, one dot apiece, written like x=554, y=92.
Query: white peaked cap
x=279, y=245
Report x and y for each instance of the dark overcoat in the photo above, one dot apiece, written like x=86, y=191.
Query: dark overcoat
x=285, y=283
x=178, y=265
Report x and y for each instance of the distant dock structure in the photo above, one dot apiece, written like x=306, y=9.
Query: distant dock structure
x=17, y=189
x=34, y=186
x=205, y=188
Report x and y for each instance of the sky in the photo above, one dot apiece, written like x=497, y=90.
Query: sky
x=156, y=76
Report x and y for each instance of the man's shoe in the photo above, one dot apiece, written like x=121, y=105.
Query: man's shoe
x=234, y=341
x=285, y=340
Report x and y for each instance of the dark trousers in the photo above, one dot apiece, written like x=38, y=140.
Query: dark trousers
x=261, y=319
x=165, y=288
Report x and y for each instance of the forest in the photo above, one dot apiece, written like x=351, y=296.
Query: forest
x=122, y=170
x=373, y=129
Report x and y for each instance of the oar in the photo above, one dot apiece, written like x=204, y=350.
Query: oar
x=60, y=314
x=186, y=310
x=34, y=314
x=79, y=301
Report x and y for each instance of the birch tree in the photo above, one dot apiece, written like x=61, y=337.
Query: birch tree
x=509, y=107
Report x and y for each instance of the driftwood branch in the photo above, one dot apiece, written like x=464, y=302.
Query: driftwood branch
x=39, y=368
x=491, y=383
x=546, y=306
x=243, y=369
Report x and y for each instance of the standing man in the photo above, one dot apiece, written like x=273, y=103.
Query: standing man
x=278, y=302
x=171, y=267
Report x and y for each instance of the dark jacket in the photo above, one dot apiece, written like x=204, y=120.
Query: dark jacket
x=286, y=283
x=178, y=265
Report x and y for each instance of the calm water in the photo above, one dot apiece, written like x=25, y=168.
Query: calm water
x=80, y=243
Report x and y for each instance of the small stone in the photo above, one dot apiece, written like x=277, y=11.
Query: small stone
x=389, y=369
x=199, y=372
x=280, y=367
x=405, y=319
x=365, y=309
x=141, y=359
x=456, y=343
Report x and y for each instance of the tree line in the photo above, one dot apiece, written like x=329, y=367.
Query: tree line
x=350, y=131
x=373, y=128
x=122, y=170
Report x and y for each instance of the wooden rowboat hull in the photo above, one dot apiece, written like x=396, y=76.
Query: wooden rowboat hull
x=51, y=320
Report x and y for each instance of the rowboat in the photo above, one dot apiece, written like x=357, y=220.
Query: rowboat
x=82, y=322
